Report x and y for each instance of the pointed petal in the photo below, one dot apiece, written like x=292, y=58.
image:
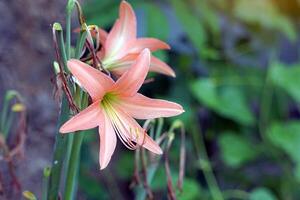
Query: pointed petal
x=141, y=107
x=123, y=31
x=86, y=119
x=151, y=145
x=156, y=65
x=95, y=82
x=159, y=66
x=131, y=81
x=131, y=130
x=138, y=45
x=108, y=141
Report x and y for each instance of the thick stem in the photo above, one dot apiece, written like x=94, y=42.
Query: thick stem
x=59, y=153
x=74, y=156
x=47, y=172
x=72, y=172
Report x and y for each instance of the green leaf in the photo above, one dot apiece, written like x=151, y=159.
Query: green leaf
x=159, y=180
x=191, y=190
x=124, y=166
x=102, y=14
x=297, y=172
x=228, y=101
x=91, y=187
x=287, y=137
x=236, y=150
x=191, y=25
x=157, y=23
x=262, y=194
x=287, y=78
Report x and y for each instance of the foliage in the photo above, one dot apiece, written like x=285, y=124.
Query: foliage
x=241, y=112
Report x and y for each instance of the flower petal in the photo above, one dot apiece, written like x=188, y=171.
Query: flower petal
x=156, y=65
x=122, y=32
x=151, y=145
x=108, y=141
x=131, y=130
x=131, y=81
x=153, y=44
x=95, y=82
x=141, y=107
x=159, y=66
x=102, y=36
x=86, y=119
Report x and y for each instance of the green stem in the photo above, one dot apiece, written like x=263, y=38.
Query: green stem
x=74, y=147
x=3, y=115
x=72, y=174
x=159, y=128
x=80, y=43
x=205, y=164
x=59, y=153
x=8, y=123
x=63, y=49
x=47, y=172
x=68, y=34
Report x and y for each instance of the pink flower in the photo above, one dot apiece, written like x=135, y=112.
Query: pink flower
x=115, y=105
x=121, y=46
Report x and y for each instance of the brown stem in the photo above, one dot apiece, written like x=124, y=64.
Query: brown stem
x=171, y=192
x=182, y=160
x=144, y=173
x=61, y=75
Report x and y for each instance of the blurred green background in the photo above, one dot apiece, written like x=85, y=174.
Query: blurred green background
x=238, y=78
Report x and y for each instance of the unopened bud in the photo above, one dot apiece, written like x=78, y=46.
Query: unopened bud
x=56, y=67
x=29, y=195
x=47, y=172
x=18, y=107
x=57, y=26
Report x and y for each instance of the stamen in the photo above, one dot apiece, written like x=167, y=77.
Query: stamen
x=128, y=135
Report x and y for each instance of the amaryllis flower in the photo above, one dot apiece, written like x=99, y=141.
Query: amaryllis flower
x=121, y=46
x=115, y=105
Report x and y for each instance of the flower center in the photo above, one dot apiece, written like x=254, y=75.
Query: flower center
x=122, y=123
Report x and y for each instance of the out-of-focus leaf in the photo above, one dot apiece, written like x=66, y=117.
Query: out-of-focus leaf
x=162, y=55
x=287, y=137
x=91, y=187
x=157, y=23
x=287, y=78
x=235, y=149
x=228, y=102
x=125, y=166
x=262, y=194
x=191, y=190
x=191, y=25
x=159, y=180
x=208, y=14
x=265, y=14
x=102, y=14
x=297, y=172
